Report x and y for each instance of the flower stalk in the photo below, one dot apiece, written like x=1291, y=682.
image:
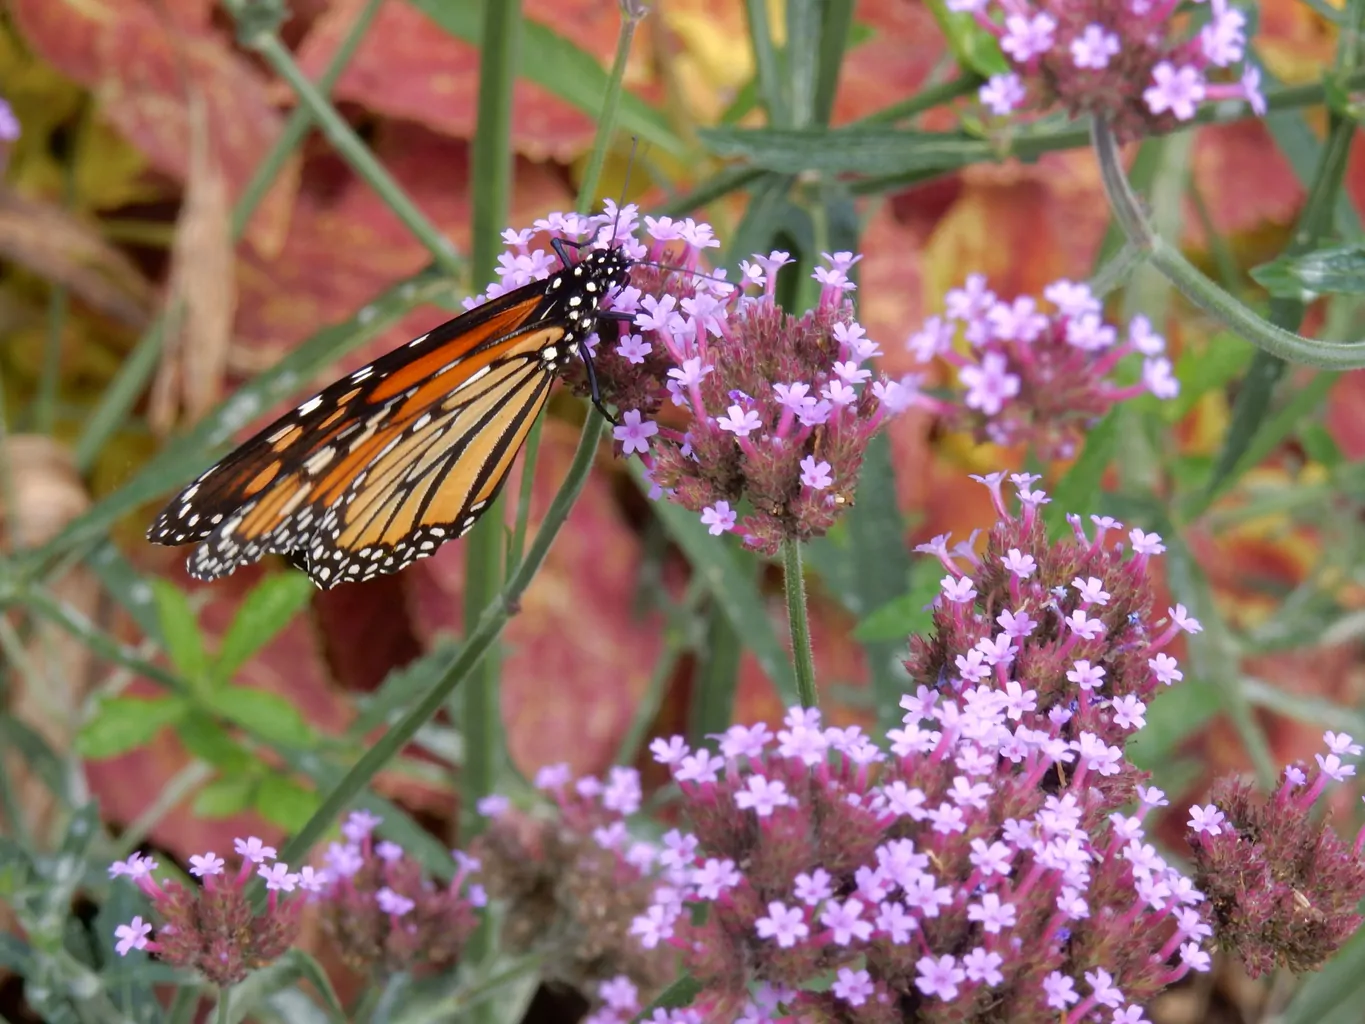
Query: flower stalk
x=799, y=622
x=1200, y=289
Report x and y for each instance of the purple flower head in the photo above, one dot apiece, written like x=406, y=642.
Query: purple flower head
x=213, y=928
x=1128, y=61
x=383, y=914
x=987, y=854
x=1038, y=378
x=1284, y=887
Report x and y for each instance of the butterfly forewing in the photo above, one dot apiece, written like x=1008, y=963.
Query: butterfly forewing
x=384, y=465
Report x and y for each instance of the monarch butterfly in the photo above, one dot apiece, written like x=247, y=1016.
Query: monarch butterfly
x=387, y=464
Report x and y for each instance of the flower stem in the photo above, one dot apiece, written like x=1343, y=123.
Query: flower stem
x=1198, y=288
x=491, y=171
x=802, y=660
x=587, y=191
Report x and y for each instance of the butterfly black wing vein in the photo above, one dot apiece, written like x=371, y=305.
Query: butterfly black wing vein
x=383, y=466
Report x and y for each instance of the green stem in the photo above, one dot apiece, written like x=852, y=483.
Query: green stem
x=606, y=120
x=926, y=99
x=45, y=403
x=349, y=145
x=798, y=619
x=476, y=645
x=766, y=61
x=491, y=170
x=223, y=1016
x=587, y=191
x=1029, y=148
x=1198, y=288
x=300, y=121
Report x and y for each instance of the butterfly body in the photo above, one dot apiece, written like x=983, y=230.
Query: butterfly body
x=385, y=465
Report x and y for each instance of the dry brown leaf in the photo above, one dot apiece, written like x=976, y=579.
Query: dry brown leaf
x=59, y=247
x=201, y=295
x=41, y=481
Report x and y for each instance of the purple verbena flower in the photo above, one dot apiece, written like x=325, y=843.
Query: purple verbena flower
x=1131, y=62
x=1034, y=378
x=212, y=928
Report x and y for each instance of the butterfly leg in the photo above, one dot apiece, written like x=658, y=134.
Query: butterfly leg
x=593, y=390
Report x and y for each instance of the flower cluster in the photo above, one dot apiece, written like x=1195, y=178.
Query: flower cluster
x=213, y=928
x=1034, y=377
x=1130, y=62
x=384, y=915
x=992, y=864
x=730, y=400
x=1282, y=888
x=571, y=881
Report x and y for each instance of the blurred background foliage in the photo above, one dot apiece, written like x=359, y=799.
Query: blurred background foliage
x=160, y=294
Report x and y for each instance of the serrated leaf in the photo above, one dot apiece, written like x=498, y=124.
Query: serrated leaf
x=873, y=151
x=282, y=801
x=267, y=716
x=223, y=798
x=180, y=628
x=1339, y=270
x=266, y=610
x=560, y=67
x=121, y=724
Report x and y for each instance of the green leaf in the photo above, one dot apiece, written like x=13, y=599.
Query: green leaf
x=1261, y=436
x=403, y=686
x=679, y=994
x=1210, y=369
x=555, y=64
x=1174, y=714
x=734, y=590
x=1339, y=270
x=1079, y=488
x=267, y=716
x=207, y=738
x=972, y=45
x=872, y=150
x=904, y=616
x=285, y=803
x=1334, y=994
x=180, y=627
x=36, y=754
x=264, y=612
x=128, y=587
x=225, y=797
x=121, y=724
